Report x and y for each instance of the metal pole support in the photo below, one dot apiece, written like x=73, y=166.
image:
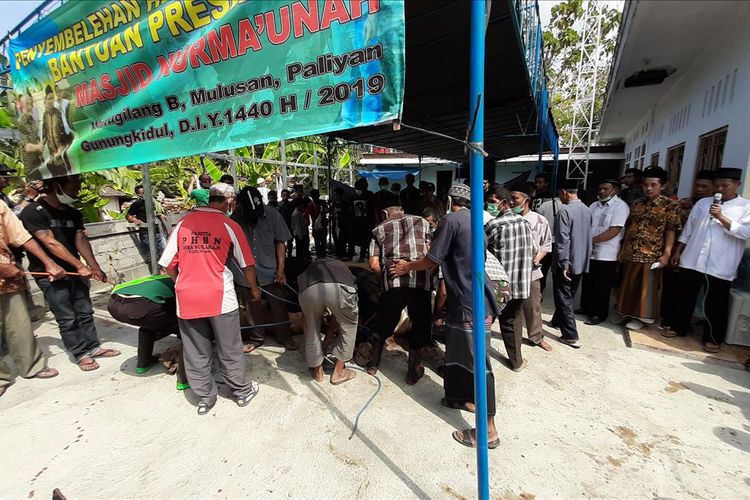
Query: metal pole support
x=148, y=197
x=479, y=10
x=284, y=180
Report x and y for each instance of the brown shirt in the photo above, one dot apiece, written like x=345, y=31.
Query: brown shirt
x=647, y=226
x=13, y=233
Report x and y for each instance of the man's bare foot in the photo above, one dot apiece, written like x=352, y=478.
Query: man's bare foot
x=545, y=345
x=317, y=373
x=345, y=375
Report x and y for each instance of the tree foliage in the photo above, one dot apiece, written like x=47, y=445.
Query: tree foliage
x=173, y=176
x=562, y=45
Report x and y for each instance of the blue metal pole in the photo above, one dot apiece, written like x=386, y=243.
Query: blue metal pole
x=476, y=167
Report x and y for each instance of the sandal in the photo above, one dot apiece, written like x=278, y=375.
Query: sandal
x=140, y=370
x=3, y=389
x=46, y=373
x=348, y=375
x=105, y=353
x=250, y=347
x=455, y=405
x=203, y=408
x=243, y=401
x=290, y=345
x=88, y=364
x=471, y=442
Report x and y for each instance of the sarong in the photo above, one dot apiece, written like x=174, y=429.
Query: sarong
x=458, y=378
x=640, y=291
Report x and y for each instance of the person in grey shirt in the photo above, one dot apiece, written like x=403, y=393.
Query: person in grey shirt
x=570, y=258
x=267, y=234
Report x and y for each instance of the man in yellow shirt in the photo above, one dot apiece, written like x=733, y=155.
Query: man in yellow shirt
x=15, y=324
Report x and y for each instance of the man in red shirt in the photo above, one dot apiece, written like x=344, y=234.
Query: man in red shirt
x=196, y=258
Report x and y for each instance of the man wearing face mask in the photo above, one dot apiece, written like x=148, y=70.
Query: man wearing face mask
x=608, y=217
x=198, y=189
x=196, y=258
x=267, y=233
x=58, y=226
x=510, y=239
x=531, y=311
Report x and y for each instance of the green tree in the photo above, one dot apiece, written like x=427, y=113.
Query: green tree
x=562, y=39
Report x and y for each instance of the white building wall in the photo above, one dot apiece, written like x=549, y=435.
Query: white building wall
x=712, y=93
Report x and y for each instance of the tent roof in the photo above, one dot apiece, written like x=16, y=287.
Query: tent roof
x=437, y=85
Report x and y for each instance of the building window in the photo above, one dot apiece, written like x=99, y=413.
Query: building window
x=639, y=156
x=711, y=149
x=627, y=160
x=654, y=160
x=674, y=166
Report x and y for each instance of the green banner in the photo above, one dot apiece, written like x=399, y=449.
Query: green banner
x=116, y=83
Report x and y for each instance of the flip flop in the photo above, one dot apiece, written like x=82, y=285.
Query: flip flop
x=290, y=345
x=46, y=373
x=350, y=374
x=455, y=405
x=471, y=442
x=105, y=353
x=250, y=347
x=88, y=366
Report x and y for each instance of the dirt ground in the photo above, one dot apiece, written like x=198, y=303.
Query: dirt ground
x=602, y=421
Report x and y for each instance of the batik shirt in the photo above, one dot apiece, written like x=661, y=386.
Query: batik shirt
x=649, y=221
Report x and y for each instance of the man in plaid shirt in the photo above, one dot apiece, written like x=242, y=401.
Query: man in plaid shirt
x=510, y=239
x=400, y=237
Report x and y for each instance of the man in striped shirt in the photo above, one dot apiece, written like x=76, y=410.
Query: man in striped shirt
x=510, y=239
x=196, y=258
x=401, y=237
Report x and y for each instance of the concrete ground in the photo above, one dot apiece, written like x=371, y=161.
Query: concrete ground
x=602, y=421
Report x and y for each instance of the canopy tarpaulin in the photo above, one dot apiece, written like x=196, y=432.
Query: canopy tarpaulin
x=135, y=81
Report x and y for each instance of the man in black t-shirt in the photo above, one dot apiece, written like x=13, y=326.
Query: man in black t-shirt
x=410, y=197
x=451, y=250
x=137, y=215
x=362, y=220
x=58, y=227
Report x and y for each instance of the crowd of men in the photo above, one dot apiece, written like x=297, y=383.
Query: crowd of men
x=233, y=252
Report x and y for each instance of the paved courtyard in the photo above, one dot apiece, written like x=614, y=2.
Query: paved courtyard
x=603, y=421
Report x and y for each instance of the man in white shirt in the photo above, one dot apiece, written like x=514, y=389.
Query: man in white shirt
x=549, y=210
x=709, y=251
x=531, y=310
x=608, y=217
